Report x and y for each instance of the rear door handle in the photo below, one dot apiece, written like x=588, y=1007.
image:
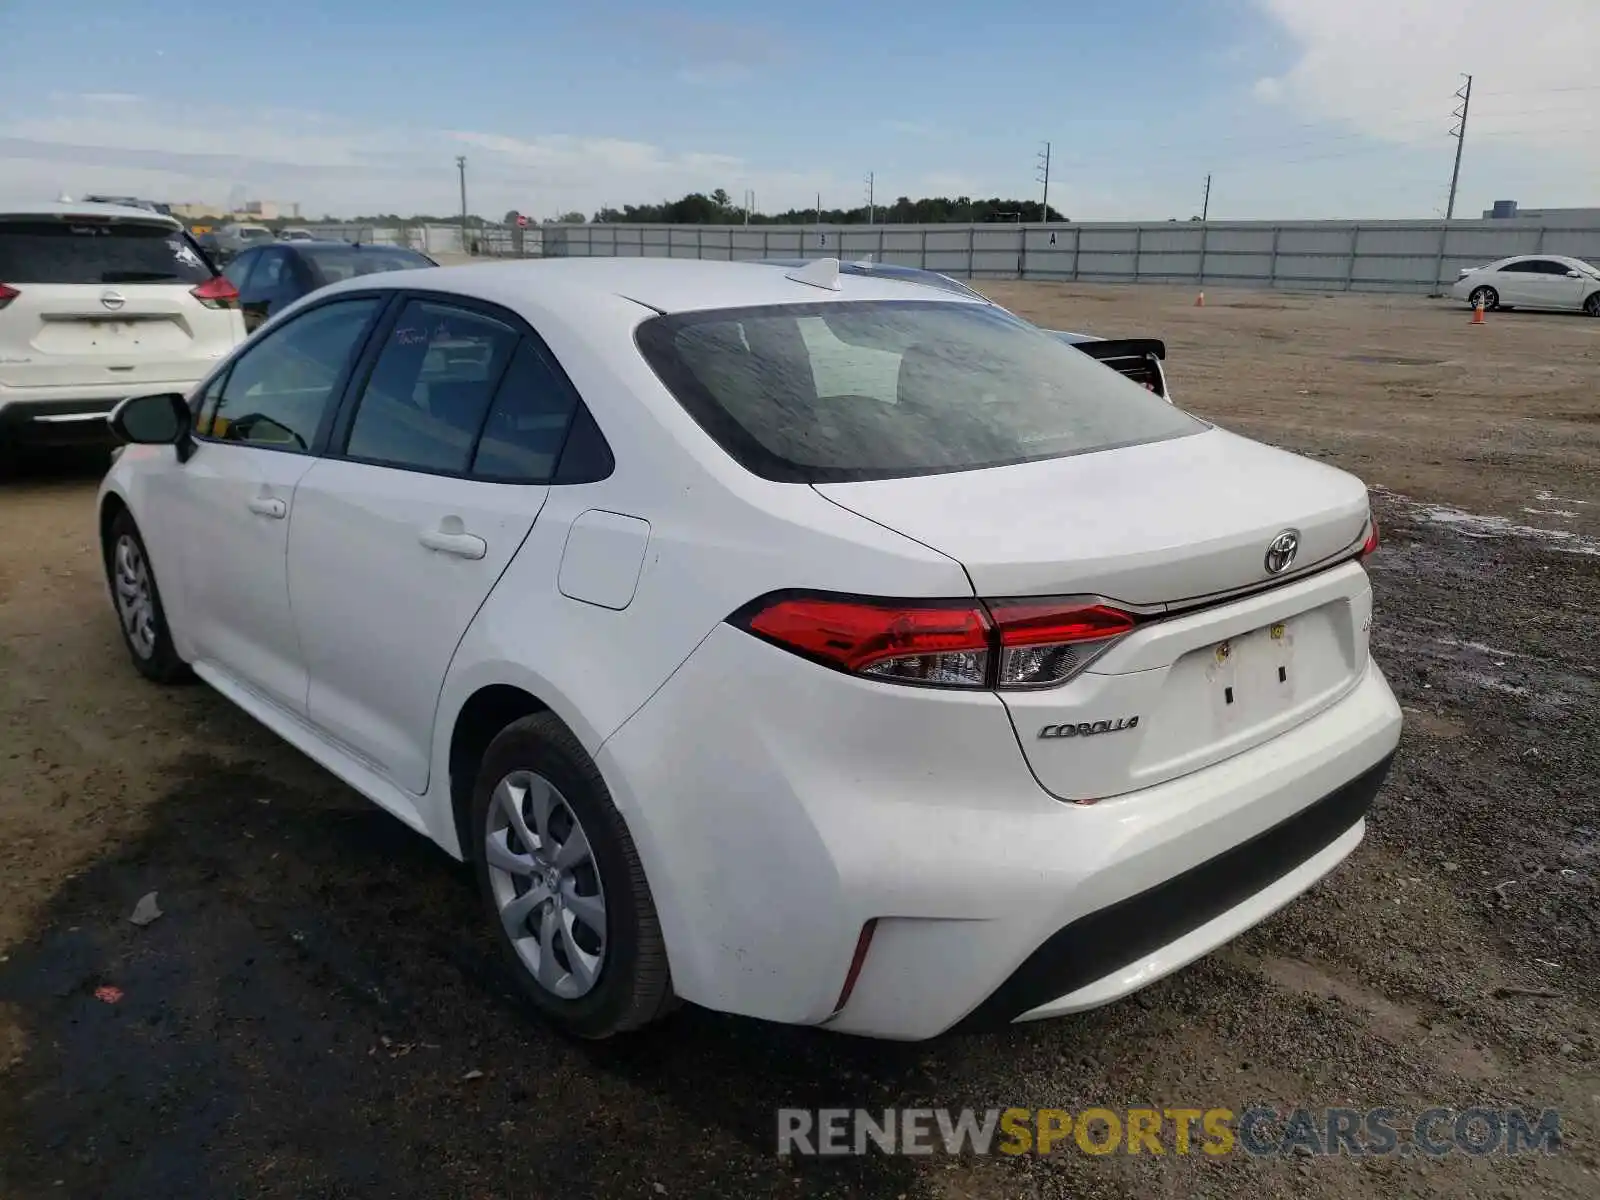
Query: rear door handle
x=462, y=545
x=269, y=506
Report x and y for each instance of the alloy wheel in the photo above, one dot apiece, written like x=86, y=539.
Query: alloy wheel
x=546, y=884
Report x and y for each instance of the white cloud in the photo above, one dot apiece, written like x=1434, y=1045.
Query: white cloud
x=1388, y=68
x=78, y=143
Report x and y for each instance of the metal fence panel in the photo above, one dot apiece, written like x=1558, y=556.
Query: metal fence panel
x=1399, y=256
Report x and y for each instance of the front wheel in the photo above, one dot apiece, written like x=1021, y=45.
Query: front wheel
x=563, y=885
x=1485, y=297
x=140, y=615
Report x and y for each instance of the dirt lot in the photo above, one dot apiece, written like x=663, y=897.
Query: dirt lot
x=308, y=1017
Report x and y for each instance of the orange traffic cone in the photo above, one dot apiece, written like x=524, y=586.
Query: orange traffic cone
x=1200, y=300
x=1477, y=313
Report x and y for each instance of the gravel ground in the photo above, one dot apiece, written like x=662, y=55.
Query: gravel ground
x=319, y=1012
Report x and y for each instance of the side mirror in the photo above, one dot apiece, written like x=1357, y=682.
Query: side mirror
x=161, y=419
x=1574, y=274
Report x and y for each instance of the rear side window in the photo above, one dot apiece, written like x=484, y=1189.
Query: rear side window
x=874, y=390
x=335, y=263
x=527, y=425
x=97, y=252
x=430, y=388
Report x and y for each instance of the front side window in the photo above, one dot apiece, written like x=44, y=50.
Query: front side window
x=428, y=393
x=282, y=387
x=239, y=269
x=878, y=389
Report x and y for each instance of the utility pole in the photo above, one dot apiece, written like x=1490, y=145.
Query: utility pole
x=1464, y=94
x=1044, y=177
x=1205, y=205
x=872, y=208
x=461, y=166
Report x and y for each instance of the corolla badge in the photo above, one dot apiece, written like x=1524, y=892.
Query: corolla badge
x=1281, y=551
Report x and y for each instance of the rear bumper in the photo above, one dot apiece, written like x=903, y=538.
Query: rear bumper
x=778, y=807
x=80, y=419
x=72, y=414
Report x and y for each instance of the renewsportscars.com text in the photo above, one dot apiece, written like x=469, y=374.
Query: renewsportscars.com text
x=1257, y=1131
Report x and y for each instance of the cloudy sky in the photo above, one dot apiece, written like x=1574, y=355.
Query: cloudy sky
x=1298, y=108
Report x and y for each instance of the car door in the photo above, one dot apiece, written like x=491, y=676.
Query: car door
x=1513, y=282
x=1557, y=287
x=259, y=426
x=439, y=467
x=269, y=288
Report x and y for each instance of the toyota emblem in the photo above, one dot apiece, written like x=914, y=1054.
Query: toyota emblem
x=113, y=299
x=1281, y=551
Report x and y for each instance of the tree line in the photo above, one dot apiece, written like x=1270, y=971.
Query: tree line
x=697, y=208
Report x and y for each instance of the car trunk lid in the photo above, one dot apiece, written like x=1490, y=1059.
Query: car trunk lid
x=1225, y=656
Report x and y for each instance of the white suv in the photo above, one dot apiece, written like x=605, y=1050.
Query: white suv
x=823, y=648
x=98, y=301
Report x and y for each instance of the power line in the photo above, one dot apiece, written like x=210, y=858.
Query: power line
x=1584, y=87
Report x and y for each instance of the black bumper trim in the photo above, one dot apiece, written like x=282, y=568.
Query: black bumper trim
x=1110, y=938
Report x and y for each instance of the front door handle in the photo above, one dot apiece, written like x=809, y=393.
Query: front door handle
x=450, y=539
x=269, y=506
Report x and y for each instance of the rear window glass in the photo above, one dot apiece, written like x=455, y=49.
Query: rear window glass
x=337, y=263
x=97, y=252
x=875, y=390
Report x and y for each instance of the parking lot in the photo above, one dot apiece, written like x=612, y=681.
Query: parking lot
x=319, y=1011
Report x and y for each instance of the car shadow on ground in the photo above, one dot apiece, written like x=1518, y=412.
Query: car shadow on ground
x=320, y=1011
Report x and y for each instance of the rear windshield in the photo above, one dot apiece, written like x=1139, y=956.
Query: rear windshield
x=874, y=390
x=97, y=252
x=337, y=262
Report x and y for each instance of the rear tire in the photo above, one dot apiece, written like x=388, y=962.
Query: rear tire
x=555, y=862
x=1591, y=306
x=1486, y=296
x=135, y=596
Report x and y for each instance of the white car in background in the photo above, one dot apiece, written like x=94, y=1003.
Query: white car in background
x=1551, y=281
x=98, y=301
x=815, y=646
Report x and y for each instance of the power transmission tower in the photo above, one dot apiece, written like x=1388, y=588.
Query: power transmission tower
x=1044, y=177
x=1459, y=132
x=1205, y=205
x=1464, y=94
x=872, y=207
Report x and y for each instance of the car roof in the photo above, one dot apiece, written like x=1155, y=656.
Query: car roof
x=67, y=209
x=668, y=285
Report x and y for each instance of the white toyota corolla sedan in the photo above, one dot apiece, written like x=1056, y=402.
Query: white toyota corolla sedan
x=821, y=647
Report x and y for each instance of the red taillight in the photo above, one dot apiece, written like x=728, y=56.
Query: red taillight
x=1048, y=641
x=217, y=293
x=959, y=643
x=7, y=295
x=857, y=961
x=1371, y=544
x=911, y=642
